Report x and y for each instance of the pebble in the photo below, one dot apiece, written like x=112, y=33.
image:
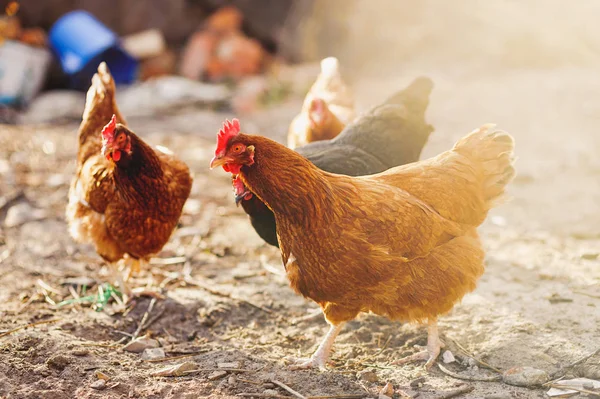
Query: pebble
x=417, y=382
x=140, y=344
x=525, y=376
x=498, y=396
x=80, y=352
x=448, y=357
x=153, y=353
x=99, y=385
x=271, y=392
x=175, y=370
x=368, y=376
x=387, y=390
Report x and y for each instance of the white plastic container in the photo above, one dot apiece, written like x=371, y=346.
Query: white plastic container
x=22, y=72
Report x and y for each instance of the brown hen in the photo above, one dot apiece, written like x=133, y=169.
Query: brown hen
x=401, y=244
x=328, y=107
x=126, y=198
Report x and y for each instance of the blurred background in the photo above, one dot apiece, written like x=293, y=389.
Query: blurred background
x=530, y=66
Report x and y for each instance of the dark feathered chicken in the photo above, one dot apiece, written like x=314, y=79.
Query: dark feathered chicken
x=388, y=135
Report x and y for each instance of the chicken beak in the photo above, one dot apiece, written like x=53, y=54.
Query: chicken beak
x=218, y=161
x=239, y=198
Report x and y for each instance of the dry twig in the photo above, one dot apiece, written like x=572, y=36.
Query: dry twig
x=566, y=387
x=144, y=318
x=563, y=370
x=216, y=369
x=37, y=323
x=290, y=390
x=587, y=294
x=454, y=393
x=468, y=378
x=481, y=362
x=166, y=359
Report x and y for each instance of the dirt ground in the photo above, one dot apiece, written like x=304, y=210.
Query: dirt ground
x=538, y=303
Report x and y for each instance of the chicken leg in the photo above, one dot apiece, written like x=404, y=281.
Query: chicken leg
x=434, y=346
x=321, y=356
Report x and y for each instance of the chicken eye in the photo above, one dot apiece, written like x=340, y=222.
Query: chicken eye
x=237, y=148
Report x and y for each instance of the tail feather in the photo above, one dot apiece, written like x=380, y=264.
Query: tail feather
x=493, y=152
x=100, y=105
x=415, y=97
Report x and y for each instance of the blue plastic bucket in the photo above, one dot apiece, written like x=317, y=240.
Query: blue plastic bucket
x=81, y=43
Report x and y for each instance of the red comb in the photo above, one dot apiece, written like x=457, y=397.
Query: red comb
x=109, y=130
x=229, y=130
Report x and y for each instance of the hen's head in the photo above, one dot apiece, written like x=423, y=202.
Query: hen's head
x=318, y=113
x=233, y=151
x=116, y=140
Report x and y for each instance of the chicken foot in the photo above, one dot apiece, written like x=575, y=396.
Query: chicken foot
x=321, y=356
x=434, y=346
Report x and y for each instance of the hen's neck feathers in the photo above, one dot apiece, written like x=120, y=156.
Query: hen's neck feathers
x=136, y=170
x=286, y=182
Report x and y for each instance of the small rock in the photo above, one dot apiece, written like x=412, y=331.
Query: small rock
x=387, y=391
x=525, y=376
x=475, y=368
x=417, y=382
x=99, y=385
x=498, y=396
x=140, y=344
x=153, y=353
x=230, y=365
x=217, y=375
x=175, y=370
x=271, y=392
x=101, y=376
x=231, y=380
x=58, y=362
x=471, y=362
x=80, y=352
x=448, y=357
x=368, y=376
x=22, y=213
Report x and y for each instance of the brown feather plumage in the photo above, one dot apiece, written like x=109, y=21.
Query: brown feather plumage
x=129, y=207
x=402, y=244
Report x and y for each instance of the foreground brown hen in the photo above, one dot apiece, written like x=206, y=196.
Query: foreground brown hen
x=126, y=198
x=402, y=243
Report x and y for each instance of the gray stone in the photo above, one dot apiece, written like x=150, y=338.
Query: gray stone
x=525, y=376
